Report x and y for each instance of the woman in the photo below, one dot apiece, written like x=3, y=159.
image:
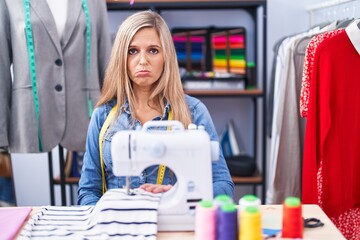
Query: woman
x=143, y=82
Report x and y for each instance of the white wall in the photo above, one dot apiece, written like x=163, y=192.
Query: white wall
x=284, y=18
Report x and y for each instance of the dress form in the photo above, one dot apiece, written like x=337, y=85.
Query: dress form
x=59, y=11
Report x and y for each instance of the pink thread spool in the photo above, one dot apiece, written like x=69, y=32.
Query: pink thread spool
x=205, y=221
x=292, y=224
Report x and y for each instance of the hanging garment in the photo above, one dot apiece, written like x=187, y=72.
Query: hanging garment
x=284, y=174
x=117, y=215
x=331, y=152
x=309, y=66
x=288, y=127
x=271, y=85
x=63, y=86
x=299, y=58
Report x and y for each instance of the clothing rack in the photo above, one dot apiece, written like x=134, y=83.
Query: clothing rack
x=333, y=10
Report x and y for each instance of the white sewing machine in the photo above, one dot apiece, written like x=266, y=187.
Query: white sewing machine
x=188, y=153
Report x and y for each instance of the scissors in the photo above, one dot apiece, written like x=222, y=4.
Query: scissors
x=308, y=223
x=313, y=223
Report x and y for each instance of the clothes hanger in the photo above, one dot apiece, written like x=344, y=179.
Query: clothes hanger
x=344, y=23
x=347, y=19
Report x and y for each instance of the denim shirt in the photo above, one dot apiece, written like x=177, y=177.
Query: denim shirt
x=90, y=185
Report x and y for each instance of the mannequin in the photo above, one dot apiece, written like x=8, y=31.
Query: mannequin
x=59, y=11
x=71, y=46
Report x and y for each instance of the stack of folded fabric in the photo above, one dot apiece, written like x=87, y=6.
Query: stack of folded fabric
x=117, y=215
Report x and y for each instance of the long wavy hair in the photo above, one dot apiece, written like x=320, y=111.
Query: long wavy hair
x=118, y=85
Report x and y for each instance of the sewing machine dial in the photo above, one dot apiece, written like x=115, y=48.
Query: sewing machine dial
x=157, y=149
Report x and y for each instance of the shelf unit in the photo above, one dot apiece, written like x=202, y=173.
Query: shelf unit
x=258, y=96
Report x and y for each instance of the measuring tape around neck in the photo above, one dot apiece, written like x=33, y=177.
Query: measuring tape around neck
x=105, y=126
x=32, y=62
x=162, y=168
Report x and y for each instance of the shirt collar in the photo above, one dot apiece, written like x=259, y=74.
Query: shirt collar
x=166, y=110
x=126, y=108
x=353, y=33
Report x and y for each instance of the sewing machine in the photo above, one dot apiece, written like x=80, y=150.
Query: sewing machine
x=188, y=153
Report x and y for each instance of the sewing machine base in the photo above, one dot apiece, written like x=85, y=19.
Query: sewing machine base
x=174, y=223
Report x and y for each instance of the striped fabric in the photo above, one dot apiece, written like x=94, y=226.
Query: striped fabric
x=116, y=216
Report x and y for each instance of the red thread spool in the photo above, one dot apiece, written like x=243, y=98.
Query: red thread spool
x=292, y=224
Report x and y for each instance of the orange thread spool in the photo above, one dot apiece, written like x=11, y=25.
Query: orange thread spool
x=292, y=224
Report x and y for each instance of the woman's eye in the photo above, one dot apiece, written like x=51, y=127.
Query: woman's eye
x=153, y=51
x=132, y=51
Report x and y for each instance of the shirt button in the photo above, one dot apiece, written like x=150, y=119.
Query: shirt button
x=58, y=88
x=58, y=62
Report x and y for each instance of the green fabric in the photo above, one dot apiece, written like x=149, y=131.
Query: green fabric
x=240, y=52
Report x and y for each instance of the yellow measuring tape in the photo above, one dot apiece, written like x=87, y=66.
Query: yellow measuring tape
x=105, y=126
x=162, y=168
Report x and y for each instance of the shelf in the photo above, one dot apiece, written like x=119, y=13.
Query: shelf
x=183, y=4
x=225, y=92
x=179, y=1
x=256, y=179
x=68, y=180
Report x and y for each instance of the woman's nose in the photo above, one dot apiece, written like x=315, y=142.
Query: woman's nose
x=143, y=59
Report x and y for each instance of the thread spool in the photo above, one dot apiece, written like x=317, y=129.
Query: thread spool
x=222, y=199
x=250, y=227
x=205, y=220
x=227, y=224
x=250, y=75
x=249, y=200
x=292, y=224
x=219, y=201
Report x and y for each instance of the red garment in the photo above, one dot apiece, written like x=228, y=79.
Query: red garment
x=332, y=138
x=309, y=65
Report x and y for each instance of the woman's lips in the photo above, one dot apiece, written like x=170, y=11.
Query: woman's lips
x=143, y=73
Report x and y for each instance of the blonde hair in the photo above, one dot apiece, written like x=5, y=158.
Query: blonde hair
x=117, y=84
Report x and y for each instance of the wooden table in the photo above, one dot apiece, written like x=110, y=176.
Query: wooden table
x=272, y=218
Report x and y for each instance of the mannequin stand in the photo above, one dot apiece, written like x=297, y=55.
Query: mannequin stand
x=61, y=181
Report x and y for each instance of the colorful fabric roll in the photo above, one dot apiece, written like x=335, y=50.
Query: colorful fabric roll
x=190, y=48
x=229, y=53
